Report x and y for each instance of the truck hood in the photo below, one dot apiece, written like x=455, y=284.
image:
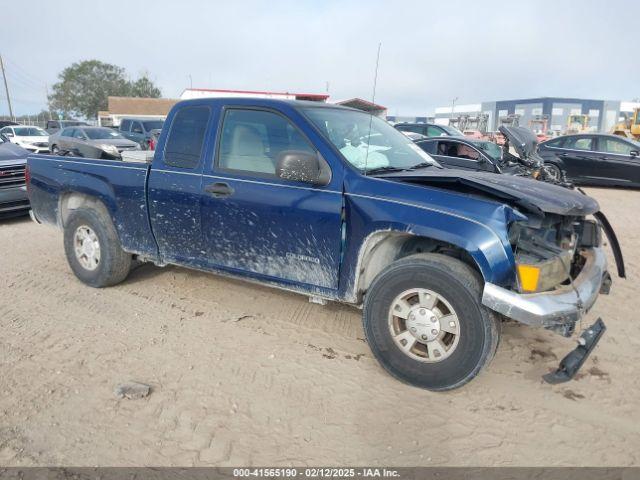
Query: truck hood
x=522, y=140
x=532, y=195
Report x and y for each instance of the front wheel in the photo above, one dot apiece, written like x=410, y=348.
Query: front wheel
x=553, y=173
x=93, y=249
x=425, y=323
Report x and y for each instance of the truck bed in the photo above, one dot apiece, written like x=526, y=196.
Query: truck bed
x=120, y=187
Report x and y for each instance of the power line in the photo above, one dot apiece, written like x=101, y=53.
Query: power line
x=21, y=82
x=24, y=73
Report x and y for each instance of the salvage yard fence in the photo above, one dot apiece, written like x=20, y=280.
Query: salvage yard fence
x=36, y=120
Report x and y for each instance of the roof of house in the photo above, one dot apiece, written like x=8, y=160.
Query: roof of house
x=140, y=106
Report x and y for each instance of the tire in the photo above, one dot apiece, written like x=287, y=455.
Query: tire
x=458, y=287
x=55, y=150
x=110, y=265
x=553, y=172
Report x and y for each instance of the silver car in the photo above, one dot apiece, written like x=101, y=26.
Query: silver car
x=90, y=142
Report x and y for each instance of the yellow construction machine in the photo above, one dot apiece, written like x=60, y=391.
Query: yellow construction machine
x=577, y=124
x=630, y=126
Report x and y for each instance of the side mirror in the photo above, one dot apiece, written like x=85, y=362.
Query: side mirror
x=634, y=153
x=303, y=167
x=8, y=134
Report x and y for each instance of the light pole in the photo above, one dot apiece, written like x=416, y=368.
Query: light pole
x=453, y=104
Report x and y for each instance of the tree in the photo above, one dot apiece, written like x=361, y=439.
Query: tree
x=84, y=86
x=144, y=87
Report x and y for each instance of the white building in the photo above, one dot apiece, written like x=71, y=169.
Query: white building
x=218, y=93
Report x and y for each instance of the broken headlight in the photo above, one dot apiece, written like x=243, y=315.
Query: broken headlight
x=543, y=253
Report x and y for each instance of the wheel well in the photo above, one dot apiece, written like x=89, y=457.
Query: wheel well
x=75, y=200
x=383, y=248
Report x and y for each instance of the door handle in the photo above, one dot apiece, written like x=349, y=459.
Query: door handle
x=219, y=189
x=564, y=154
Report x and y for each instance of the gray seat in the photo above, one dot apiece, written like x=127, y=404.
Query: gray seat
x=247, y=152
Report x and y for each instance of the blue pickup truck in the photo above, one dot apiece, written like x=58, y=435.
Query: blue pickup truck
x=337, y=205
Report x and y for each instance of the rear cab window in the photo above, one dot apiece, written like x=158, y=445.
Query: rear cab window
x=186, y=137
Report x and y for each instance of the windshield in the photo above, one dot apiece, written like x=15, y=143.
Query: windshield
x=454, y=132
x=30, y=132
x=153, y=125
x=101, y=133
x=367, y=142
x=491, y=149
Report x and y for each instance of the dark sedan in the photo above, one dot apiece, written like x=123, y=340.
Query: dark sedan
x=595, y=159
x=463, y=153
x=13, y=190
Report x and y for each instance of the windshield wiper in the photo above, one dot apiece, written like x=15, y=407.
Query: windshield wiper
x=387, y=168
x=420, y=165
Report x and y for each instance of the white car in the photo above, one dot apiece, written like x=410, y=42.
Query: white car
x=31, y=138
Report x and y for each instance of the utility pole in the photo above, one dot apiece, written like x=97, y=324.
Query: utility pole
x=453, y=104
x=46, y=92
x=6, y=87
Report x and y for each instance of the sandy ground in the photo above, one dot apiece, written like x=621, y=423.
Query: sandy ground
x=250, y=375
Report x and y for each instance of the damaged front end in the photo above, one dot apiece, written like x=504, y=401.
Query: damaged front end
x=561, y=269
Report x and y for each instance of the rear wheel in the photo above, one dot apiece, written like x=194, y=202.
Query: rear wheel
x=425, y=323
x=93, y=249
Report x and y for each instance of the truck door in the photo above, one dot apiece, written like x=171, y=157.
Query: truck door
x=256, y=222
x=174, y=187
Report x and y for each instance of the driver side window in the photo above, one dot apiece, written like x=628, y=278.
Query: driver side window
x=253, y=140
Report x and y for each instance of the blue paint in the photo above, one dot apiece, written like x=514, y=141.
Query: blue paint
x=292, y=234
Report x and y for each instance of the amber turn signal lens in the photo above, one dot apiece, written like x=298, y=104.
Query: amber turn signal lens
x=528, y=276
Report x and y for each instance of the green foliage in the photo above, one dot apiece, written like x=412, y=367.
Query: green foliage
x=83, y=88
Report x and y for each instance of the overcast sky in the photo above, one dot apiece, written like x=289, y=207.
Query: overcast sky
x=431, y=51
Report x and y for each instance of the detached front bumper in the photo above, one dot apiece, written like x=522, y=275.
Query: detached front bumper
x=562, y=307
